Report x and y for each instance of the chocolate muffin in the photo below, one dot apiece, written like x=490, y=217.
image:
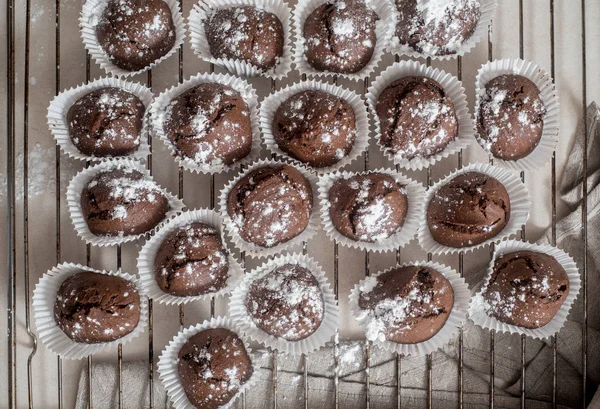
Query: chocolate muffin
x=339, y=36
x=92, y=308
x=286, y=303
x=136, y=33
x=417, y=118
x=106, y=122
x=315, y=127
x=526, y=289
x=511, y=117
x=210, y=124
x=368, y=207
x=470, y=209
x=191, y=261
x=407, y=304
x=270, y=205
x=246, y=33
x=436, y=27
x=122, y=202
x=213, y=365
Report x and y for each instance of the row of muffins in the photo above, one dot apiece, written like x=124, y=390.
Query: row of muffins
x=211, y=121
x=254, y=37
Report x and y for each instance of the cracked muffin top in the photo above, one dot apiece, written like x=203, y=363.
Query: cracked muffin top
x=122, y=202
x=526, y=289
x=470, y=209
x=192, y=261
x=417, y=118
x=249, y=34
x=106, y=122
x=210, y=124
x=270, y=205
x=136, y=33
x=315, y=127
x=510, y=120
x=213, y=365
x=286, y=302
x=92, y=308
x=368, y=207
x=339, y=36
x=406, y=305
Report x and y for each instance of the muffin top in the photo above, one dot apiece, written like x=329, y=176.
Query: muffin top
x=315, y=127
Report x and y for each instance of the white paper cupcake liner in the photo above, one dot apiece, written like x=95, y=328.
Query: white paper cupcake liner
x=147, y=256
x=200, y=45
x=60, y=105
x=549, y=96
x=325, y=332
x=90, y=16
x=444, y=335
x=520, y=204
x=252, y=249
x=455, y=91
x=79, y=182
x=271, y=103
x=162, y=102
x=477, y=305
x=415, y=193
x=50, y=334
x=168, y=369
x=387, y=14
x=488, y=11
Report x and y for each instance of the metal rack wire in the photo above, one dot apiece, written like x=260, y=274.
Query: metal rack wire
x=12, y=237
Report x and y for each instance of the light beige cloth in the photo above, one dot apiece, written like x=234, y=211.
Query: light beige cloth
x=383, y=373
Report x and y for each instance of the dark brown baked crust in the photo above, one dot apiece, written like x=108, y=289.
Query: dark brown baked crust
x=315, y=127
x=93, y=308
x=246, y=33
x=417, y=118
x=213, y=364
x=122, y=202
x=470, y=209
x=286, y=302
x=408, y=304
x=136, y=33
x=270, y=205
x=434, y=30
x=526, y=289
x=510, y=120
x=191, y=261
x=339, y=36
x=210, y=124
x=368, y=207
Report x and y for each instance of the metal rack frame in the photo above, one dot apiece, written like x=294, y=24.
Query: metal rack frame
x=12, y=236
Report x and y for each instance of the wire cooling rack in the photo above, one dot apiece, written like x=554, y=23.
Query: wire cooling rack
x=28, y=340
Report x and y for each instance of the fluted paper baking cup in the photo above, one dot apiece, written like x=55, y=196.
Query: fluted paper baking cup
x=455, y=91
x=147, y=256
x=163, y=101
x=478, y=305
x=200, y=45
x=239, y=313
x=488, y=10
x=252, y=249
x=79, y=182
x=270, y=104
x=443, y=336
x=60, y=105
x=387, y=18
x=520, y=204
x=90, y=16
x=168, y=363
x=549, y=96
x=50, y=334
x=415, y=193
